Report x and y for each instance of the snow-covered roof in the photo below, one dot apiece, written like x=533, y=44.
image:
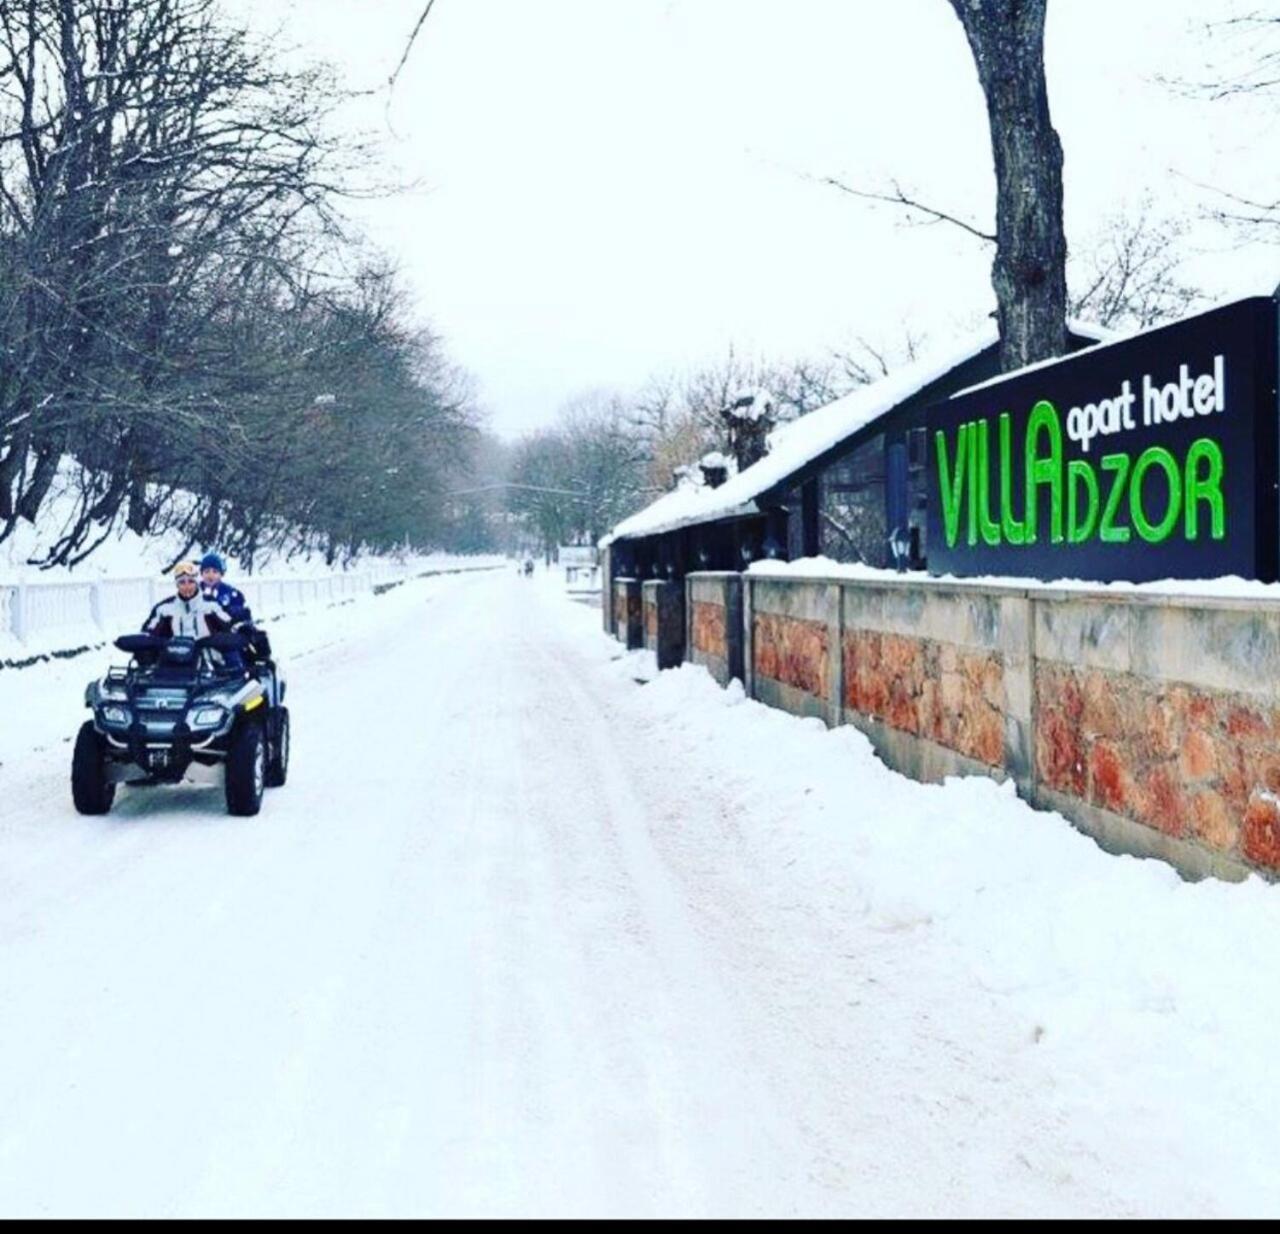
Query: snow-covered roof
x=690, y=503
x=799, y=442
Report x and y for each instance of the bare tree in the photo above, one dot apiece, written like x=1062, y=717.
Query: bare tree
x=1130, y=274
x=1243, y=62
x=678, y=418
x=409, y=42
x=146, y=152
x=579, y=478
x=1247, y=59
x=193, y=339
x=863, y=362
x=1006, y=38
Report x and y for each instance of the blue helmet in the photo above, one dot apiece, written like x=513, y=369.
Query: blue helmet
x=211, y=561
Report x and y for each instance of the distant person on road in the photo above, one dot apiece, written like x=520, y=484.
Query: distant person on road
x=528, y=566
x=189, y=613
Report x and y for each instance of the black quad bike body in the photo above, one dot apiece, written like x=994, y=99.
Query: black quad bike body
x=178, y=711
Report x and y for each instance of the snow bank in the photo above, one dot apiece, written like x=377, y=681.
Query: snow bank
x=1143, y=1000
x=1143, y=990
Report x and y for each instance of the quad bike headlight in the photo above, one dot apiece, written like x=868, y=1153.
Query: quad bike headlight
x=207, y=717
x=115, y=715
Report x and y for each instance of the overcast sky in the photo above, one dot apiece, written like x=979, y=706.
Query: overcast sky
x=614, y=188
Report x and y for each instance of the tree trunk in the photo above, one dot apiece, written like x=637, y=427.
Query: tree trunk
x=1029, y=274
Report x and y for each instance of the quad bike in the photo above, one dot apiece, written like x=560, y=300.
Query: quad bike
x=179, y=711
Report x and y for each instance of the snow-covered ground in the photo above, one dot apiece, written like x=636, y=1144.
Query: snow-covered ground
x=522, y=936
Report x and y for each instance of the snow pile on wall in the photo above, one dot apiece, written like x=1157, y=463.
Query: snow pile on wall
x=1228, y=586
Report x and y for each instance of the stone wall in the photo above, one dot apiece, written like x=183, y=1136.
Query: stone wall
x=714, y=636
x=939, y=676
x=793, y=659
x=1152, y=722
x=628, y=625
x=664, y=621
x=1158, y=724
x=649, y=616
x=708, y=637
x=793, y=651
x=950, y=694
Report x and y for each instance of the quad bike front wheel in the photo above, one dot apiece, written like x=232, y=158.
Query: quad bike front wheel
x=92, y=789
x=246, y=769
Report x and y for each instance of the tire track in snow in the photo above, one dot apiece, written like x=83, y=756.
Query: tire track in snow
x=710, y=1134
x=496, y=949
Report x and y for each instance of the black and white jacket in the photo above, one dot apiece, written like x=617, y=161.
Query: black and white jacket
x=195, y=618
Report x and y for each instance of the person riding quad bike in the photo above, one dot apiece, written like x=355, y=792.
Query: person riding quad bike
x=215, y=587
x=182, y=709
x=188, y=613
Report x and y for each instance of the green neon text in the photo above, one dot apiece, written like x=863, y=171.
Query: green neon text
x=1117, y=499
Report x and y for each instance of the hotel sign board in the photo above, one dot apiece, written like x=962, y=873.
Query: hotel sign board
x=1153, y=457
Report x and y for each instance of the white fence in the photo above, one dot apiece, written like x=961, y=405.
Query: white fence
x=577, y=555
x=40, y=617
x=582, y=578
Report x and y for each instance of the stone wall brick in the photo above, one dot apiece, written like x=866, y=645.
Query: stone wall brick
x=1111, y=786
x=1213, y=822
x=626, y=607
x=1193, y=763
x=1261, y=843
x=1060, y=749
x=952, y=695
x=792, y=651
x=1246, y=722
x=1162, y=804
x=708, y=629
x=1159, y=730
x=1198, y=759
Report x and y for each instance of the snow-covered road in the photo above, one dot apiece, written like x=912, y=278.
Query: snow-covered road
x=523, y=937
